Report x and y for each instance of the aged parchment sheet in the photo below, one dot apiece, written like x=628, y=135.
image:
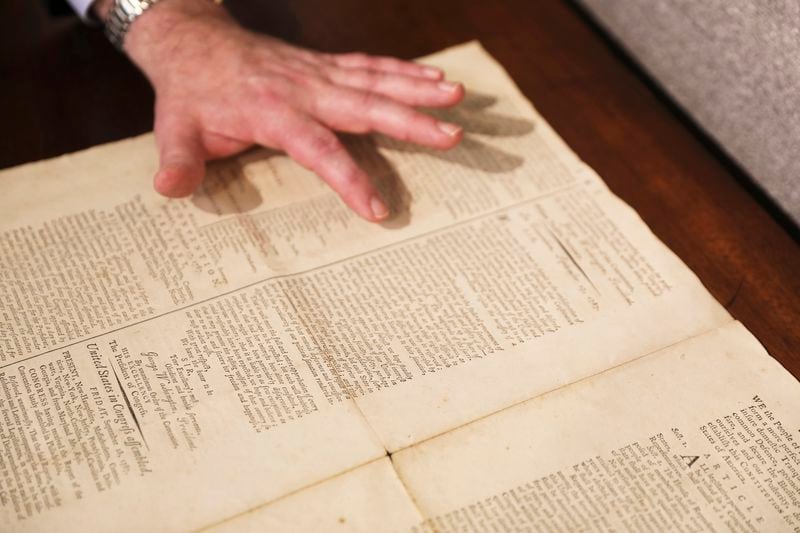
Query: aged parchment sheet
x=368, y=498
x=165, y=365
x=701, y=436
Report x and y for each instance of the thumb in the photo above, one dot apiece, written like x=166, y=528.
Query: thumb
x=182, y=161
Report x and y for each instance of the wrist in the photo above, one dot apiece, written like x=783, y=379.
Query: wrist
x=168, y=29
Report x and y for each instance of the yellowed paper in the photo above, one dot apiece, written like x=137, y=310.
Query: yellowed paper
x=702, y=436
x=232, y=348
x=368, y=498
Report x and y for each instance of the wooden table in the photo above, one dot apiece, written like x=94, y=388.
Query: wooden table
x=63, y=88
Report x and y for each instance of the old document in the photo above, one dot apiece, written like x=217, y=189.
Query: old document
x=175, y=364
x=701, y=436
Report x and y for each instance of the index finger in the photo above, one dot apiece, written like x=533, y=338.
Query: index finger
x=319, y=149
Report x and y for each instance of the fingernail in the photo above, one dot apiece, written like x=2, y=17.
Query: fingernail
x=433, y=73
x=451, y=129
x=379, y=209
x=448, y=86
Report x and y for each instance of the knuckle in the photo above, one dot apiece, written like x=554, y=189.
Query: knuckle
x=368, y=101
x=163, y=123
x=386, y=61
x=422, y=86
x=373, y=81
x=327, y=73
x=304, y=81
x=415, y=125
x=350, y=178
x=299, y=67
x=323, y=144
x=419, y=121
x=309, y=57
x=404, y=135
x=327, y=58
x=317, y=82
x=357, y=57
x=412, y=118
x=267, y=90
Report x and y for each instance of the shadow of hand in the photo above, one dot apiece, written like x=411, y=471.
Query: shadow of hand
x=227, y=190
x=474, y=114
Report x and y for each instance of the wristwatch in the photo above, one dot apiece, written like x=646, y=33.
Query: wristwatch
x=121, y=16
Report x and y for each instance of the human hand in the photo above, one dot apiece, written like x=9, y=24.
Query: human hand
x=220, y=89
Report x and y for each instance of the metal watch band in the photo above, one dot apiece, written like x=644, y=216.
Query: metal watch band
x=122, y=15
